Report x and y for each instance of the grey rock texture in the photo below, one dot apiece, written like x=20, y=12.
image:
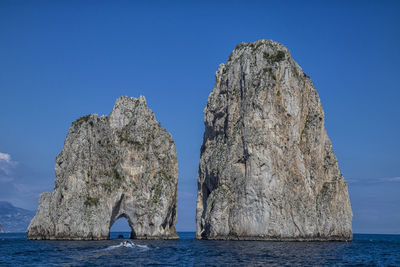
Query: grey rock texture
x=123, y=165
x=267, y=169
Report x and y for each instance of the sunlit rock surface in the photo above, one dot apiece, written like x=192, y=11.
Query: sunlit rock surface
x=267, y=169
x=123, y=165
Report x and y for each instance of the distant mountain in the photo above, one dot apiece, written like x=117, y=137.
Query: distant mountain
x=1, y=229
x=13, y=219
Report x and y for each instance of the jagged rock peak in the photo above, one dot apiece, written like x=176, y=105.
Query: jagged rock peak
x=123, y=165
x=267, y=169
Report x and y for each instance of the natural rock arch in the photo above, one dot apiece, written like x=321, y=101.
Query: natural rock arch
x=132, y=234
x=115, y=218
x=121, y=165
x=118, y=212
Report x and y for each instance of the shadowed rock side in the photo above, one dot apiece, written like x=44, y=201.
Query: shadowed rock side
x=123, y=165
x=267, y=169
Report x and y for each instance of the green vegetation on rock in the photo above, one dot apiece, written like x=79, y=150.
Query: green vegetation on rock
x=277, y=57
x=271, y=73
x=91, y=201
x=81, y=120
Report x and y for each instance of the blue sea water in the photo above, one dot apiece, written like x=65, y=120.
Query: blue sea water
x=365, y=250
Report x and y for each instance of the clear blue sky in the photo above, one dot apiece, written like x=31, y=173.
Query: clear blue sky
x=60, y=60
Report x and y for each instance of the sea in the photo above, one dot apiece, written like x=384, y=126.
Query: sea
x=364, y=250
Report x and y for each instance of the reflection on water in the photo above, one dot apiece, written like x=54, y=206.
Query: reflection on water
x=364, y=250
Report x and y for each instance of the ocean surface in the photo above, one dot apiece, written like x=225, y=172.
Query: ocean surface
x=365, y=250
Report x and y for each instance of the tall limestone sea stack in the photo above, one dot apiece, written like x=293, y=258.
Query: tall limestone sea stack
x=267, y=169
x=123, y=165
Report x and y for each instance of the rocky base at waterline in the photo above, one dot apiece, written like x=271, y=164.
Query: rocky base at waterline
x=123, y=165
x=267, y=168
x=277, y=238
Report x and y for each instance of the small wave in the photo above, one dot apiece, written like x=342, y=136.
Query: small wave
x=143, y=247
x=113, y=247
x=135, y=246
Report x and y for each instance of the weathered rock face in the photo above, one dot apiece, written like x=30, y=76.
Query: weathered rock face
x=123, y=165
x=267, y=169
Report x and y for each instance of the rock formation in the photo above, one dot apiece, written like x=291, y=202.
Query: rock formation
x=267, y=169
x=123, y=165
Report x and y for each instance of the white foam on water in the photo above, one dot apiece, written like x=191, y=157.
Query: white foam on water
x=113, y=247
x=143, y=247
x=132, y=246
